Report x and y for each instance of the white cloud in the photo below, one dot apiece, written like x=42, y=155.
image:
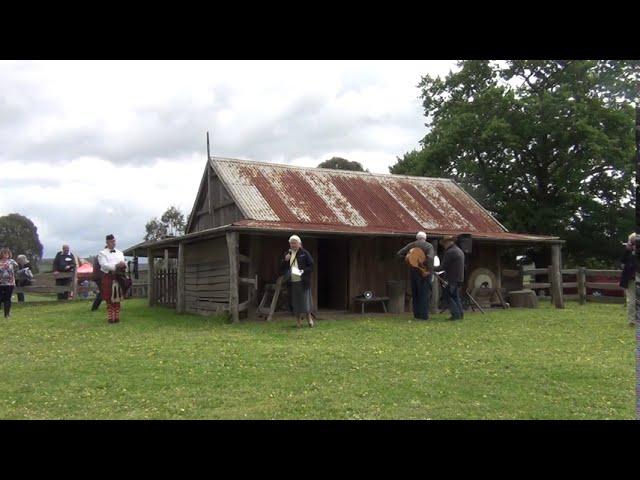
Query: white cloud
x=90, y=148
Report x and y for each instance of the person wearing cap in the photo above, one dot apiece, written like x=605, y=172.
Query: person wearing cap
x=64, y=262
x=112, y=264
x=297, y=265
x=453, y=267
x=629, y=265
x=420, y=285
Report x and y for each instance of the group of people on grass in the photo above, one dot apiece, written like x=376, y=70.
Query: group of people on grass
x=422, y=276
x=109, y=274
x=12, y=273
x=297, y=267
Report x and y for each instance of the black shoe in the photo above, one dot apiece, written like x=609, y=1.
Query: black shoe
x=452, y=319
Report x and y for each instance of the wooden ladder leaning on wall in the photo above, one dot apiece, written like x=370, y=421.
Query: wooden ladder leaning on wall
x=263, y=311
x=267, y=312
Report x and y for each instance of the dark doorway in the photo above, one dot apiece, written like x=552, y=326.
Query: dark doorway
x=333, y=273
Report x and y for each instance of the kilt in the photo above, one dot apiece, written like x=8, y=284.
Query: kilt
x=108, y=282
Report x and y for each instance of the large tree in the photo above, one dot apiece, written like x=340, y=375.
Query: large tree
x=174, y=220
x=547, y=146
x=171, y=222
x=19, y=233
x=339, y=163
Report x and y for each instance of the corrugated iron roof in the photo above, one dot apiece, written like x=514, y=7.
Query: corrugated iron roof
x=324, y=228
x=302, y=197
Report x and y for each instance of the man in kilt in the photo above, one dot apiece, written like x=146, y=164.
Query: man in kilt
x=114, y=280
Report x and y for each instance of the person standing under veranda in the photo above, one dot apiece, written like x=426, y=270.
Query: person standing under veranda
x=453, y=267
x=8, y=269
x=420, y=284
x=629, y=263
x=297, y=265
x=113, y=266
x=65, y=262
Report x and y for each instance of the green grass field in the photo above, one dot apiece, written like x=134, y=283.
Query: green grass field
x=36, y=298
x=60, y=361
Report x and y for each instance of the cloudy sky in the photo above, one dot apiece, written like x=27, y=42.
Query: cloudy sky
x=90, y=148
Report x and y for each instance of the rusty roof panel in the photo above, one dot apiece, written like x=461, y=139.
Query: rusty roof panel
x=298, y=227
x=340, y=199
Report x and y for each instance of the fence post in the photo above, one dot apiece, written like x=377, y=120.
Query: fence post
x=582, y=287
x=232, y=250
x=556, y=277
x=74, y=281
x=180, y=279
x=151, y=278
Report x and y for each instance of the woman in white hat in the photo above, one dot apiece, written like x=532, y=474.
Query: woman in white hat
x=297, y=265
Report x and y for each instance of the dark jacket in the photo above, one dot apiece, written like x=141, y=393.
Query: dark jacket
x=453, y=264
x=97, y=272
x=305, y=263
x=22, y=278
x=426, y=247
x=629, y=263
x=60, y=262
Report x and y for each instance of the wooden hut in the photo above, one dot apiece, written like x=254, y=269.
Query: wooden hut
x=353, y=223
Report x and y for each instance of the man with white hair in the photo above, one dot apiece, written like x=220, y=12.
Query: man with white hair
x=420, y=284
x=629, y=263
x=64, y=262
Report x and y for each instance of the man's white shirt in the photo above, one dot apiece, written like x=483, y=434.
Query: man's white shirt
x=108, y=260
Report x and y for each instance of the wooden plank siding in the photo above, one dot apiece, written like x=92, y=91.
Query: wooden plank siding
x=206, y=276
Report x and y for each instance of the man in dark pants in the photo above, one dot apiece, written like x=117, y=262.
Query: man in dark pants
x=420, y=285
x=629, y=264
x=64, y=262
x=97, y=278
x=453, y=266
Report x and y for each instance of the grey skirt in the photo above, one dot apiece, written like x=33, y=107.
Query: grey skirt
x=300, y=298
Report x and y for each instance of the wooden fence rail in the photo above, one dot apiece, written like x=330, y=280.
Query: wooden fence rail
x=581, y=283
x=45, y=283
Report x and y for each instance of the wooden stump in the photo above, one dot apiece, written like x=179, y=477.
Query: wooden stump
x=523, y=299
x=395, y=292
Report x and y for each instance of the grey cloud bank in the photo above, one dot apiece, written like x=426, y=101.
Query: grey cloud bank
x=100, y=147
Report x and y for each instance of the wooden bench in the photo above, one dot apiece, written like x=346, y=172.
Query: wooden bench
x=363, y=300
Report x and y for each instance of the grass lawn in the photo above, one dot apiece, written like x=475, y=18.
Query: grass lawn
x=36, y=297
x=61, y=361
